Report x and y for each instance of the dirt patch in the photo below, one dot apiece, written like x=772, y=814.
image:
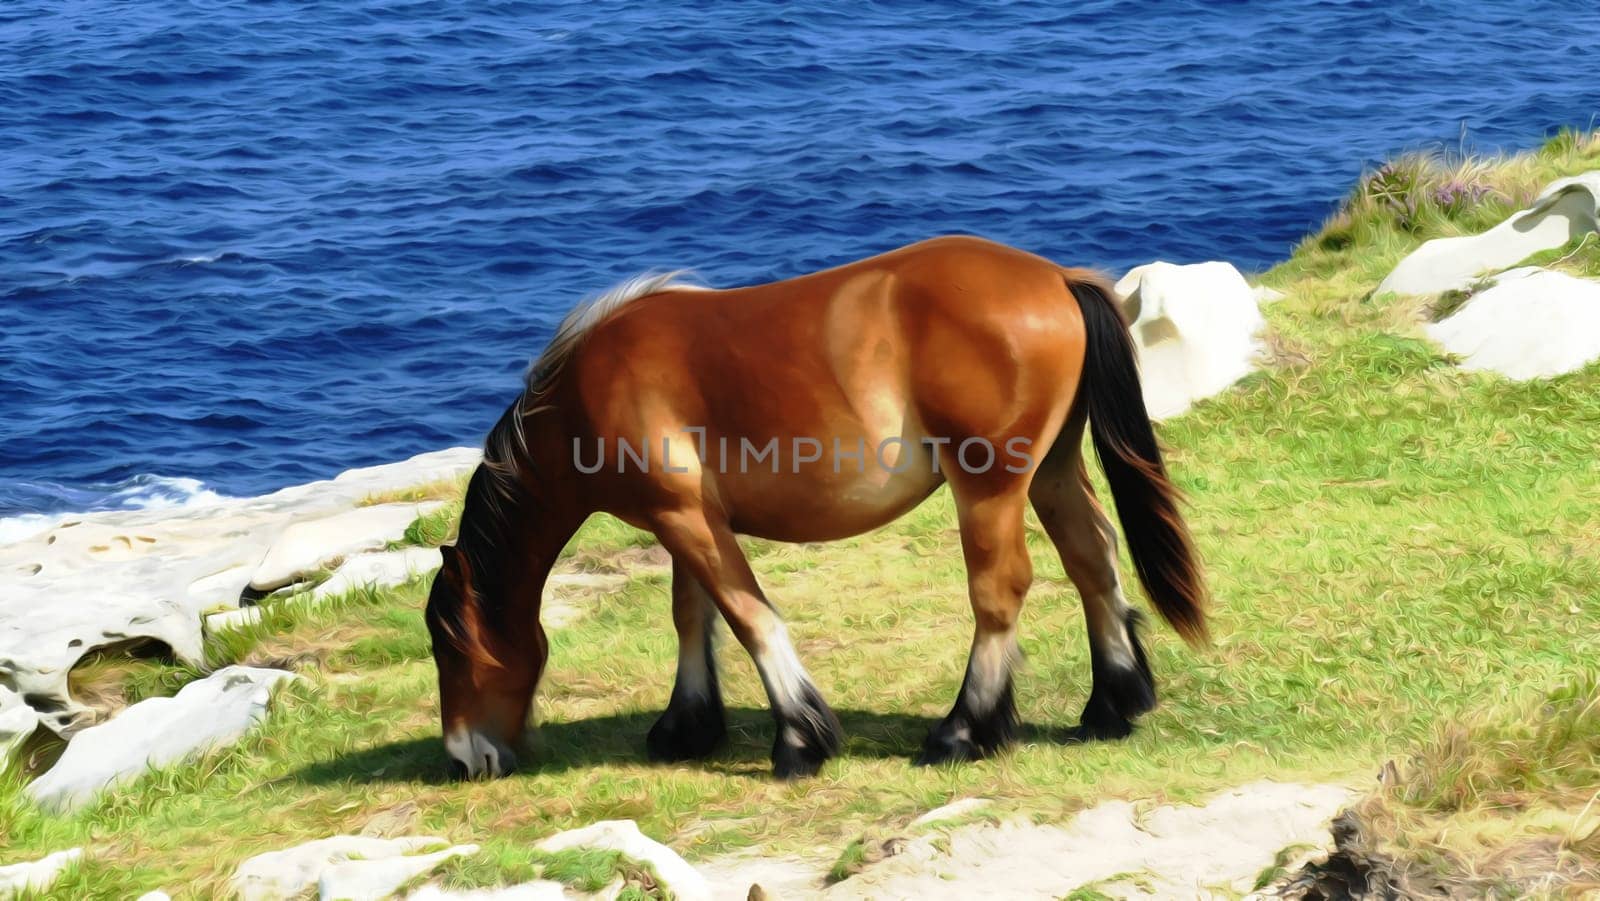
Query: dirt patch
x=1116, y=848
x=629, y=561
x=302, y=649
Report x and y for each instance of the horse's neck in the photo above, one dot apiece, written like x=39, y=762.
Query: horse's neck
x=521, y=511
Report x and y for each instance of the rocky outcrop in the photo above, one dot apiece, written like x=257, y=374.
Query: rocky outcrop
x=210, y=713
x=1566, y=210
x=373, y=570
x=123, y=578
x=343, y=866
x=1196, y=328
x=1530, y=324
x=37, y=875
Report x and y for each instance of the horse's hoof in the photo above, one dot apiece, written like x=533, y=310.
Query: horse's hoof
x=1101, y=726
x=686, y=735
x=938, y=749
x=790, y=762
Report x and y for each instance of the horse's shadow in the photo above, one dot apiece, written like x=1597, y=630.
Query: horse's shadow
x=618, y=739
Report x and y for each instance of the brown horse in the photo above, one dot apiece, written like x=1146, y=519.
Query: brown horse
x=807, y=410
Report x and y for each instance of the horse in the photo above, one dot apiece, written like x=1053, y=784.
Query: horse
x=813, y=409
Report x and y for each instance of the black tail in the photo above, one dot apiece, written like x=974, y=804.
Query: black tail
x=1147, y=502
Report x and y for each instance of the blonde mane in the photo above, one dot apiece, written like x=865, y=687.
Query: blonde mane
x=592, y=311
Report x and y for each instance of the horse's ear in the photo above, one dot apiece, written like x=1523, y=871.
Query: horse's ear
x=448, y=553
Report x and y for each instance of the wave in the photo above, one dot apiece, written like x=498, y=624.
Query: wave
x=59, y=503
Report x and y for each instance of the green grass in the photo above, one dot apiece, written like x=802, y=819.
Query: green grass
x=1394, y=545
x=1580, y=258
x=587, y=871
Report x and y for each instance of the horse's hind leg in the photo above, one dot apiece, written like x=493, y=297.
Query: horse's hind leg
x=1087, y=541
x=984, y=718
x=808, y=732
x=693, y=725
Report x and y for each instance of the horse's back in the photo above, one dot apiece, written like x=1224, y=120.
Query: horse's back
x=945, y=339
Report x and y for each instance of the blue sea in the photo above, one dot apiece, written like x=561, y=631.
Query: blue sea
x=250, y=244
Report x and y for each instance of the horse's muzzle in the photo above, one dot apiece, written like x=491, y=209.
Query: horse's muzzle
x=474, y=755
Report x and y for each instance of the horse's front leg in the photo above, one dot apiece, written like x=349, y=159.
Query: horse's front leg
x=808, y=731
x=693, y=724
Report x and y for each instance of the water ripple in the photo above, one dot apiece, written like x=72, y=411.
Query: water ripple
x=244, y=244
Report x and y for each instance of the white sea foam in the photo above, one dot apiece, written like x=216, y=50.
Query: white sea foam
x=141, y=492
x=27, y=525
x=164, y=492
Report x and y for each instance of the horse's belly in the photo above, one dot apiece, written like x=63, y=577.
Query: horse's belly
x=852, y=487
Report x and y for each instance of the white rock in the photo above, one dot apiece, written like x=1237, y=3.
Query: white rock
x=233, y=619
x=105, y=579
x=376, y=570
x=305, y=546
x=1564, y=211
x=683, y=880
x=1196, y=328
x=369, y=880
x=208, y=713
x=1531, y=324
x=37, y=875
x=156, y=895
x=17, y=722
x=952, y=811
x=538, y=890
x=292, y=872
x=379, y=570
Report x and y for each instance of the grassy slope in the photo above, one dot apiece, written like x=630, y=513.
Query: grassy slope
x=1393, y=545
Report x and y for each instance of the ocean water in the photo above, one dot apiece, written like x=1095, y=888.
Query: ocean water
x=249, y=244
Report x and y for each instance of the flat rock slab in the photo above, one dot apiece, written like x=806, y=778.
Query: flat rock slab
x=1565, y=211
x=36, y=875
x=1196, y=329
x=124, y=577
x=209, y=713
x=355, y=865
x=623, y=836
x=307, y=544
x=1115, y=848
x=1530, y=324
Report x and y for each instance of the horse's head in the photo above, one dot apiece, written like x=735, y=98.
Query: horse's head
x=487, y=673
